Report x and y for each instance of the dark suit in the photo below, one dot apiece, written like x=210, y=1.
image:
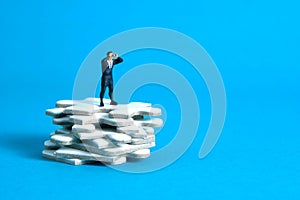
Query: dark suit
x=107, y=77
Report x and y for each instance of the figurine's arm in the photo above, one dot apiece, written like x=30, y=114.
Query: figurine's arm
x=103, y=64
x=117, y=60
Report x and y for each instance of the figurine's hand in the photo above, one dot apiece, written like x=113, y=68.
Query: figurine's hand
x=116, y=55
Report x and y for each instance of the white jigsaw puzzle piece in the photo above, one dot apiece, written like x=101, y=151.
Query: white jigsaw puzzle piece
x=129, y=112
x=63, y=131
x=115, y=121
x=64, y=139
x=55, y=112
x=66, y=103
x=124, y=149
x=143, y=153
x=75, y=153
x=62, y=121
x=88, y=128
x=82, y=109
x=99, y=143
x=50, y=145
x=154, y=122
x=148, y=139
x=49, y=154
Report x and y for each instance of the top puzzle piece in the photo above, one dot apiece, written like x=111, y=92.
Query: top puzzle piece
x=130, y=111
x=66, y=103
x=82, y=109
x=96, y=101
x=90, y=100
x=139, y=104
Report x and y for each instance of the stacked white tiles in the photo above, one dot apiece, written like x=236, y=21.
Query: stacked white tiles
x=89, y=134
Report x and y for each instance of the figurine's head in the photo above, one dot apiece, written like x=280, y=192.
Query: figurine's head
x=110, y=54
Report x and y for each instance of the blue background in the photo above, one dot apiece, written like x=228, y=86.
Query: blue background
x=255, y=45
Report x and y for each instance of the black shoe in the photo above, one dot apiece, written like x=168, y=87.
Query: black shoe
x=101, y=104
x=112, y=102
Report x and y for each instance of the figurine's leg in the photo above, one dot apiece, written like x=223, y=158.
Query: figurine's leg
x=103, y=88
x=111, y=90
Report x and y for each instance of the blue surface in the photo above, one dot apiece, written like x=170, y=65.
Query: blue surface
x=255, y=45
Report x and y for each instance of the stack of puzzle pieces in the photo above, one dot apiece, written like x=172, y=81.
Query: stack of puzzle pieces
x=89, y=134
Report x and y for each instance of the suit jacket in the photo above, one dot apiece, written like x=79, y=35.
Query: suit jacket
x=104, y=63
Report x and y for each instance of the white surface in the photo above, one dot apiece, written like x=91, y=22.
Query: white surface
x=148, y=139
x=55, y=112
x=128, y=112
x=49, y=154
x=124, y=149
x=118, y=137
x=154, y=122
x=62, y=131
x=88, y=128
x=74, y=153
x=66, y=103
x=50, y=145
x=99, y=143
x=82, y=109
x=115, y=121
x=142, y=153
x=63, y=139
x=62, y=121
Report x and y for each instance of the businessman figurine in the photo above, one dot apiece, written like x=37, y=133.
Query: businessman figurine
x=107, y=77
